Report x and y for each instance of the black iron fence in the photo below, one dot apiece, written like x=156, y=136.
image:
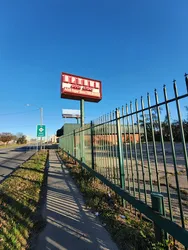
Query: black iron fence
x=139, y=150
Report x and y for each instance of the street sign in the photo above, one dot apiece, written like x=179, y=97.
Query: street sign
x=41, y=130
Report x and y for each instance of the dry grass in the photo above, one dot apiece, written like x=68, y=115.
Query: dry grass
x=124, y=224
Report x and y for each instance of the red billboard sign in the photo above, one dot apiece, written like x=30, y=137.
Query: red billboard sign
x=78, y=87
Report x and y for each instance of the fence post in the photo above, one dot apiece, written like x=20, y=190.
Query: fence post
x=157, y=200
x=74, y=143
x=92, y=148
x=120, y=152
x=82, y=131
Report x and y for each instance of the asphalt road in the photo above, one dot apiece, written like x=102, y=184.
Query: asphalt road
x=12, y=158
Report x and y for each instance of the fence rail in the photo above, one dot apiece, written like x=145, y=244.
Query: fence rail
x=141, y=151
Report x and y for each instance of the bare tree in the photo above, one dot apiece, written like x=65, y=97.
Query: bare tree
x=6, y=137
x=22, y=140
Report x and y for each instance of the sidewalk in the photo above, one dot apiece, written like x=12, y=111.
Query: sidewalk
x=69, y=224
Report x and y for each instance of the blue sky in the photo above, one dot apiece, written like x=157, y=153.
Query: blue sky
x=131, y=46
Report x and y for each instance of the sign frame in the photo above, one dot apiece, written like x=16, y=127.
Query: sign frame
x=80, y=82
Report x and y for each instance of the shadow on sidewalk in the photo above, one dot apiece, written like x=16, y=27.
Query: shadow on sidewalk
x=69, y=224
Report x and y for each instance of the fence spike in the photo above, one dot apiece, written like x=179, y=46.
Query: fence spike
x=174, y=83
x=126, y=109
x=136, y=103
x=186, y=80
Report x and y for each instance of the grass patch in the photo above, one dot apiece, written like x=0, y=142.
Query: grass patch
x=126, y=229
x=11, y=146
x=19, y=199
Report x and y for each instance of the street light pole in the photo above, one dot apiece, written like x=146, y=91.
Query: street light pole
x=41, y=120
x=41, y=123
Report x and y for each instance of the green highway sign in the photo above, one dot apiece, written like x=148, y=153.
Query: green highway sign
x=41, y=130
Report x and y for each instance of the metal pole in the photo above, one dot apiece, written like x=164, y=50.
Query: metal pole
x=44, y=140
x=46, y=137
x=120, y=153
x=74, y=143
x=41, y=122
x=82, y=131
x=82, y=111
x=92, y=146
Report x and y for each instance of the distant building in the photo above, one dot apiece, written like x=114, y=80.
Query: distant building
x=107, y=133
x=67, y=129
x=28, y=138
x=53, y=139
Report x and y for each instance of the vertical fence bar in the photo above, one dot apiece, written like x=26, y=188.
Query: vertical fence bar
x=74, y=143
x=141, y=151
x=82, y=130
x=135, y=149
x=126, y=153
x=92, y=146
x=164, y=155
x=103, y=146
x=147, y=146
x=72, y=138
x=130, y=147
x=79, y=144
x=100, y=145
x=120, y=150
x=174, y=157
x=96, y=145
x=110, y=145
x=106, y=145
x=154, y=144
x=181, y=128
x=102, y=142
x=116, y=150
x=113, y=149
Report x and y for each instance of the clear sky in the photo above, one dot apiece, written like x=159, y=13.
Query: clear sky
x=131, y=46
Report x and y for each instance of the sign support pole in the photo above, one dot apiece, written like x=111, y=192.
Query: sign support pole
x=82, y=111
x=82, y=132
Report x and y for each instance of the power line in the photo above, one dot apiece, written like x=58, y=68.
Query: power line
x=15, y=113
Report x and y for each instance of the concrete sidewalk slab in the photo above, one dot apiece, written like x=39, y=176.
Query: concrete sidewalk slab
x=69, y=224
